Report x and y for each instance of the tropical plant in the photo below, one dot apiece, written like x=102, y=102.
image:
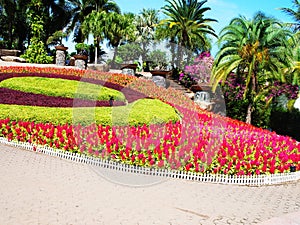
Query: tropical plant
x=186, y=17
x=14, y=28
x=56, y=38
x=80, y=9
x=36, y=52
x=145, y=23
x=292, y=73
x=255, y=49
x=129, y=52
x=295, y=14
x=119, y=29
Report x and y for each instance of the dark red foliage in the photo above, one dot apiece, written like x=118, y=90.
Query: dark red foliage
x=130, y=95
x=13, y=97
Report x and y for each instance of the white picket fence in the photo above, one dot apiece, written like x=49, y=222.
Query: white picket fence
x=254, y=180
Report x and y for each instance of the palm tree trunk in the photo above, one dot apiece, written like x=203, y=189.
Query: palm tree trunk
x=114, y=56
x=96, y=54
x=249, y=114
x=97, y=43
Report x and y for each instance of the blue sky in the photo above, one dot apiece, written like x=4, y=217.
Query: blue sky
x=221, y=10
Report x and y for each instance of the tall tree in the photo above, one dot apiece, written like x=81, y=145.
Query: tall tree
x=119, y=29
x=95, y=24
x=57, y=16
x=14, y=27
x=163, y=32
x=187, y=18
x=82, y=8
x=145, y=23
x=256, y=50
x=295, y=14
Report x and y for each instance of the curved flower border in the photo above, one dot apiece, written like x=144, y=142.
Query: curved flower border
x=201, y=142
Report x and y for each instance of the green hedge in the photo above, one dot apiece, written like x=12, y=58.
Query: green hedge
x=143, y=111
x=62, y=88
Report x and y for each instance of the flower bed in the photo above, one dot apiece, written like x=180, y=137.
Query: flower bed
x=201, y=142
x=14, y=97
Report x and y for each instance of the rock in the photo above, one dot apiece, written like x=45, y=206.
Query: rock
x=202, y=96
x=190, y=95
x=99, y=67
x=13, y=59
x=205, y=105
x=128, y=71
x=159, y=81
x=297, y=104
x=9, y=52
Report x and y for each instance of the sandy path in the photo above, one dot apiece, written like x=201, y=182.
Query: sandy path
x=39, y=189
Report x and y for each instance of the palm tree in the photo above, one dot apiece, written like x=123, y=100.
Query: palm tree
x=82, y=8
x=186, y=17
x=145, y=23
x=255, y=49
x=95, y=24
x=9, y=8
x=295, y=14
x=13, y=17
x=292, y=73
x=105, y=5
x=58, y=15
x=119, y=29
x=163, y=32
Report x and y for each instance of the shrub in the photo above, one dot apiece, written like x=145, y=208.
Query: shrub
x=201, y=69
x=144, y=111
x=36, y=52
x=62, y=88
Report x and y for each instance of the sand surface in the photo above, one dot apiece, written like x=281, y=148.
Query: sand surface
x=40, y=189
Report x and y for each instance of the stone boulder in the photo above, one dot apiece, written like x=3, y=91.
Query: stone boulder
x=12, y=59
x=99, y=67
x=160, y=81
x=9, y=52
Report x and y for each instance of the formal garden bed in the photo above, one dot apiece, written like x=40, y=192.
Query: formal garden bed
x=155, y=127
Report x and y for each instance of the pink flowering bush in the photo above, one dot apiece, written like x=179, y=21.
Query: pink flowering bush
x=201, y=69
x=200, y=142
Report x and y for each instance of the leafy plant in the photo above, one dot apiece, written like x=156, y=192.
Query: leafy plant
x=56, y=38
x=201, y=68
x=158, y=60
x=36, y=52
x=129, y=52
x=82, y=48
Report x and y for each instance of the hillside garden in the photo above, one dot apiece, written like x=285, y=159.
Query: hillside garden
x=161, y=129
